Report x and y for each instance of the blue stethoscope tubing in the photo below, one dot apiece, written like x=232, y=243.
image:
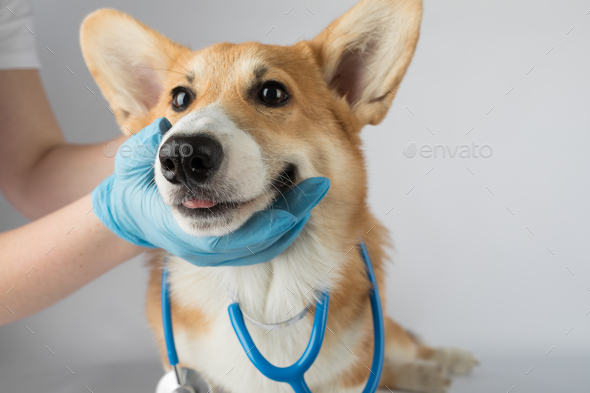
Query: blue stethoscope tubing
x=167, y=318
x=294, y=375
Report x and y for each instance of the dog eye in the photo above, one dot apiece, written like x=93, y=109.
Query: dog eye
x=181, y=98
x=273, y=94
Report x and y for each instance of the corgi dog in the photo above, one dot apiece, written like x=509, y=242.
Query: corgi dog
x=264, y=118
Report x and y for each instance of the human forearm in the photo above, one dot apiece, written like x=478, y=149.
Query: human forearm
x=62, y=175
x=43, y=262
x=39, y=172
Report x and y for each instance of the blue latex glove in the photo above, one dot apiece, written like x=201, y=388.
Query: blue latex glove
x=129, y=204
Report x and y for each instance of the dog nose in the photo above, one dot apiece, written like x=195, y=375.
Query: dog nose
x=190, y=160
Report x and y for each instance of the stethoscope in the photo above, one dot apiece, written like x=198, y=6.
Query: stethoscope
x=184, y=380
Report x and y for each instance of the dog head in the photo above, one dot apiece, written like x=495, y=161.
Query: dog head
x=251, y=120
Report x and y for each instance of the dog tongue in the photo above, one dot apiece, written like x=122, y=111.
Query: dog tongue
x=199, y=204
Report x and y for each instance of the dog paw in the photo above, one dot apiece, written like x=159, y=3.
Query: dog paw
x=425, y=376
x=454, y=360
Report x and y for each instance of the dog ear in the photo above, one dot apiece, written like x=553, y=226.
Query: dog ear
x=128, y=61
x=364, y=54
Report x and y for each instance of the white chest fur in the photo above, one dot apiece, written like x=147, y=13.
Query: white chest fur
x=269, y=292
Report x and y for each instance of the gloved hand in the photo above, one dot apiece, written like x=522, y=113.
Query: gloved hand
x=129, y=204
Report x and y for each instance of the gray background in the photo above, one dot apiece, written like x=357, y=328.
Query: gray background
x=491, y=254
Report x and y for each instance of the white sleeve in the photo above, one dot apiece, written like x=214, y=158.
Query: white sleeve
x=17, y=41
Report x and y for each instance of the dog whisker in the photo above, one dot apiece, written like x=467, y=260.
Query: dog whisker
x=281, y=194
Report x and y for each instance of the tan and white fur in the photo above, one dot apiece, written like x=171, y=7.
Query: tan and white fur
x=338, y=82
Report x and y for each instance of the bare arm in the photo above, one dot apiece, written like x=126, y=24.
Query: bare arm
x=43, y=262
x=39, y=172
x=46, y=260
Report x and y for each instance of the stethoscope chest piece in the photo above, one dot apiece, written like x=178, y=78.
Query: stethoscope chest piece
x=193, y=382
